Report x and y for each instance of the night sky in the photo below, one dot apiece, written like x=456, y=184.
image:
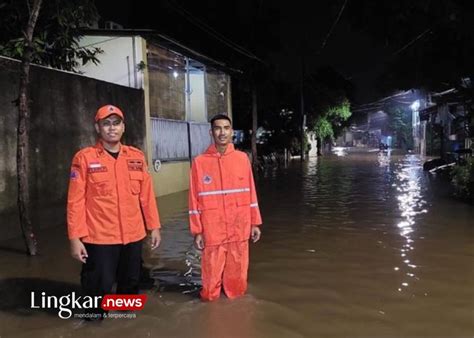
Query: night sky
x=325, y=33
x=284, y=29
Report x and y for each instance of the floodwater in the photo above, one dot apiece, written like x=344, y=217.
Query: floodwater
x=358, y=245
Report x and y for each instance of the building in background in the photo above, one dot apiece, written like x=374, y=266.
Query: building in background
x=182, y=88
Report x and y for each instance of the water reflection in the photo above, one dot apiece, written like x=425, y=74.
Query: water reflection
x=339, y=151
x=337, y=232
x=410, y=203
x=384, y=159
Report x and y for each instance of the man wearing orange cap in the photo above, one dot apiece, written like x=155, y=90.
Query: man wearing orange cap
x=223, y=213
x=110, y=206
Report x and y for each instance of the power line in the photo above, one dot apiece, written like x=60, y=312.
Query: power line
x=389, y=57
x=412, y=42
x=202, y=25
x=332, y=27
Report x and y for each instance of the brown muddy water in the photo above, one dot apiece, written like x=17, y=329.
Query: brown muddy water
x=357, y=245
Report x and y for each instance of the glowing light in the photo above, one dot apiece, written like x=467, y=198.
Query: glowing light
x=339, y=151
x=175, y=74
x=415, y=105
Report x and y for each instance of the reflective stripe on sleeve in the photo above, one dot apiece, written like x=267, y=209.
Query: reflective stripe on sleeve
x=254, y=205
x=222, y=192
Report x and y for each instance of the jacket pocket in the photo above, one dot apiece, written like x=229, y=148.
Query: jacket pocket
x=100, y=185
x=210, y=213
x=208, y=204
x=243, y=200
x=136, y=179
x=99, y=177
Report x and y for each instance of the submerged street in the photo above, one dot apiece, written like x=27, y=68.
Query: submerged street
x=353, y=245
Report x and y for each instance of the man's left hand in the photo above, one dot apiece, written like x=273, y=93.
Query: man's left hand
x=255, y=234
x=155, y=238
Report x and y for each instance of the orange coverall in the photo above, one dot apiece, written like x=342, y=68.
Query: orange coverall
x=107, y=197
x=223, y=207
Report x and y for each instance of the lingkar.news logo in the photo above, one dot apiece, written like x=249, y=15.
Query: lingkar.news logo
x=67, y=303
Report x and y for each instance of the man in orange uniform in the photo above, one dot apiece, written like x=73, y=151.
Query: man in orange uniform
x=110, y=206
x=223, y=213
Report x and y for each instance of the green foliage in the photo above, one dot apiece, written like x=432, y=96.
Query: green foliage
x=57, y=32
x=342, y=111
x=323, y=128
x=330, y=122
x=326, y=102
x=463, y=179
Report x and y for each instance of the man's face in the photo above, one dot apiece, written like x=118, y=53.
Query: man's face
x=222, y=132
x=110, y=129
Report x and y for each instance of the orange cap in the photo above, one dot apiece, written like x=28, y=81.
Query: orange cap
x=106, y=111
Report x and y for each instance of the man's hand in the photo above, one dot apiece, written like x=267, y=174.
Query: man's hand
x=255, y=234
x=155, y=238
x=199, y=242
x=78, y=250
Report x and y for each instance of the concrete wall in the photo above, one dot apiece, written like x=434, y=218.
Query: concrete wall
x=198, y=109
x=172, y=177
x=119, y=60
x=62, y=109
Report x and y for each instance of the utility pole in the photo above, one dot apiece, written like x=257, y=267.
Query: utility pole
x=254, y=125
x=302, y=114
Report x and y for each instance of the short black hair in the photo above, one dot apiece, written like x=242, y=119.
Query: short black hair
x=220, y=117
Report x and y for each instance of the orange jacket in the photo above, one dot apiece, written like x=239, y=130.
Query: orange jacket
x=222, y=198
x=106, y=197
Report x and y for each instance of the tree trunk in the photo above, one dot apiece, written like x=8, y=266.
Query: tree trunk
x=254, y=126
x=22, y=136
x=319, y=146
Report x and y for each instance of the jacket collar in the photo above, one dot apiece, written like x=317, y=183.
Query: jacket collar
x=101, y=151
x=212, y=150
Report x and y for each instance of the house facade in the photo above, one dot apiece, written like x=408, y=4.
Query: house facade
x=182, y=88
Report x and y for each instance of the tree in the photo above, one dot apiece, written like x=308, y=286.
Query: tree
x=58, y=30
x=49, y=39
x=22, y=134
x=330, y=122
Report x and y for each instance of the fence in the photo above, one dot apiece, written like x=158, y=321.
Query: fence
x=174, y=140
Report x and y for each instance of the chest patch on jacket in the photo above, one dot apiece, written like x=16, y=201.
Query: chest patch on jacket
x=96, y=167
x=135, y=165
x=207, y=179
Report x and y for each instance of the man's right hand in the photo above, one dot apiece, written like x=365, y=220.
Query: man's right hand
x=78, y=250
x=199, y=242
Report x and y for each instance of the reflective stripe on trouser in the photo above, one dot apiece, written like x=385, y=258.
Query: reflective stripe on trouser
x=224, y=265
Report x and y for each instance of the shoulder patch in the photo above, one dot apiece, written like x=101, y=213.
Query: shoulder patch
x=73, y=175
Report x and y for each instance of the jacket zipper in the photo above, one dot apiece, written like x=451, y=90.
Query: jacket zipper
x=118, y=201
x=223, y=196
